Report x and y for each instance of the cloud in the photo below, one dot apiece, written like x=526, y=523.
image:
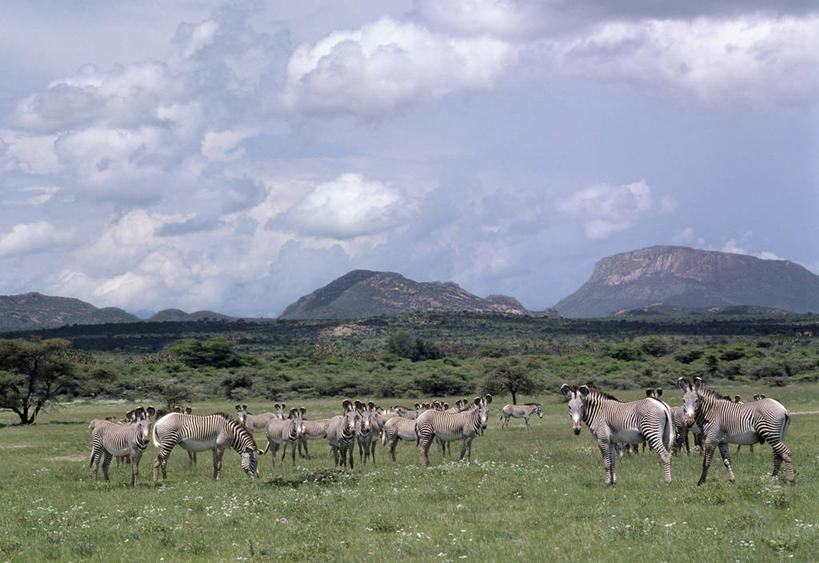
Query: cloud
x=495, y=17
x=748, y=60
x=605, y=209
x=387, y=64
x=29, y=238
x=349, y=207
x=733, y=246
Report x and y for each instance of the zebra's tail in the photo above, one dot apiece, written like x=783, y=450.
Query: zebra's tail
x=785, y=426
x=267, y=447
x=153, y=436
x=668, y=432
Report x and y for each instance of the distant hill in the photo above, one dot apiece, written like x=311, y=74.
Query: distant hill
x=698, y=279
x=365, y=293
x=177, y=315
x=35, y=310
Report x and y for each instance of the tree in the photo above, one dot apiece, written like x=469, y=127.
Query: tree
x=403, y=345
x=172, y=392
x=34, y=374
x=215, y=352
x=509, y=375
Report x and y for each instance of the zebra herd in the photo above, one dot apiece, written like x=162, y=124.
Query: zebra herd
x=719, y=420
x=716, y=418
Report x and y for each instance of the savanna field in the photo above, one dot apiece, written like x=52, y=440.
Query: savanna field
x=536, y=495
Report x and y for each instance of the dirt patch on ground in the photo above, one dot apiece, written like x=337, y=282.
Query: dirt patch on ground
x=343, y=330
x=68, y=458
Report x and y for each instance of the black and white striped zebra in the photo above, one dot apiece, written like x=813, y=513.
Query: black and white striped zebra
x=447, y=426
x=196, y=433
x=723, y=422
x=341, y=435
x=399, y=428
x=109, y=439
x=281, y=432
x=611, y=421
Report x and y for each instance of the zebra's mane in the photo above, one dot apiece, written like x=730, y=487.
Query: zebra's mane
x=603, y=394
x=530, y=404
x=711, y=394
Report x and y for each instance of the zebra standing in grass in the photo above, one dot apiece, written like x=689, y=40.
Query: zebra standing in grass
x=110, y=439
x=283, y=432
x=520, y=411
x=399, y=428
x=258, y=422
x=452, y=426
x=723, y=422
x=341, y=434
x=313, y=430
x=196, y=433
x=367, y=430
x=611, y=421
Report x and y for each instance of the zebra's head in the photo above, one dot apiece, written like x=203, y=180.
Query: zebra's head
x=280, y=410
x=143, y=422
x=539, y=410
x=250, y=462
x=297, y=416
x=482, y=406
x=241, y=413
x=350, y=419
x=577, y=406
x=691, y=398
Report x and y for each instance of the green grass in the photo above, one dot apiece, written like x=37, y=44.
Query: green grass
x=536, y=494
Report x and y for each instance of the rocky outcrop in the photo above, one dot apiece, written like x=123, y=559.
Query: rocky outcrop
x=686, y=277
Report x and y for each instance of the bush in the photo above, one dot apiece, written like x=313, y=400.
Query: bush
x=656, y=346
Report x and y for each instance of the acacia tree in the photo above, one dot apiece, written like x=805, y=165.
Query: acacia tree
x=509, y=375
x=33, y=374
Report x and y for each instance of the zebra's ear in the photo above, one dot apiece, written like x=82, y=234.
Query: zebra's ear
x=565, y=389
x=238, y=408
x=151, y=411
x=649, y=392
x=303, y=411
x=188, y=410
x=359, y=405
x=698, y=383
x=347, y=405
x=477, y=401
x=488, y=398
x=371, y=405
x=658, y=392
x=584, y=390
x=244, y=407
x=683, y=384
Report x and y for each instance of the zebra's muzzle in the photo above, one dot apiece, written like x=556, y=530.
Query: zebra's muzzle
x=576, y=430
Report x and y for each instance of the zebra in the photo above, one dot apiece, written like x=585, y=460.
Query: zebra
x=341, y=434
x=520, y=411
x=197, y=433
x=611, y=421
x=281, y=432
x=367, y=429
x=399, y=428
x=723, y=422
x=681, y=430
x=452, y=426
x=110, y=439
x=406, y=412
x=258, y=422
x=313, y=430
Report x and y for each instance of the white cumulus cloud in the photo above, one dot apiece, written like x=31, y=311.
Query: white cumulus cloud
x=387, y=64
x=30, y=238
x=605, y=209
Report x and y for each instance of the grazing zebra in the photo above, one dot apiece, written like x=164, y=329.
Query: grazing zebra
x=725, y=422
x=313, y=430
x=452, y=426
x=196, y=433
x=611, y=421
x=341, y=434
x=282, y=432
x=399, y=428
x=110, y=439
x=520, y=411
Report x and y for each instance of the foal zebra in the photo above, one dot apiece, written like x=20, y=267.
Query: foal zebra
x=196, y=433
x=520, y=411
x=611, y=421
x=723, y=422
x=452, y=426
x=109, y=439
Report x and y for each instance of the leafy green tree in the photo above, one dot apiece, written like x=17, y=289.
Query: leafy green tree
x=509, y=375
x=656, y=346
x=34, y=374
x=172, y=392
x=215, y=352
x=403, y=345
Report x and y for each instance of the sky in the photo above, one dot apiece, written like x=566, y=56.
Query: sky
x=234, y=156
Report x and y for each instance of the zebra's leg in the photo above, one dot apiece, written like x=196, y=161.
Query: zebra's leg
x=504, y=421
x=607, y=451
x=726, y=460
x=391, y=447
x=303, y=444
x=95, y=461
x=135, y=467
x=293, y=448
x=665, y=455
x=105, y=463
x=782, y=452
x=284, y=454
x=526, y=419
x=687, y=448
x=467, y=449
x=706, y=460
x=423, y=449
x=352, y=455
x=217, y=463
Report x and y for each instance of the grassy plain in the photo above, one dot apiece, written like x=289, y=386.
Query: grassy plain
x=536, y=495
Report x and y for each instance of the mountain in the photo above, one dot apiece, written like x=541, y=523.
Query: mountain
x=662, y=310
x=177, y=315
x=685, y=277
x=364, y=293
x=35, y=310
